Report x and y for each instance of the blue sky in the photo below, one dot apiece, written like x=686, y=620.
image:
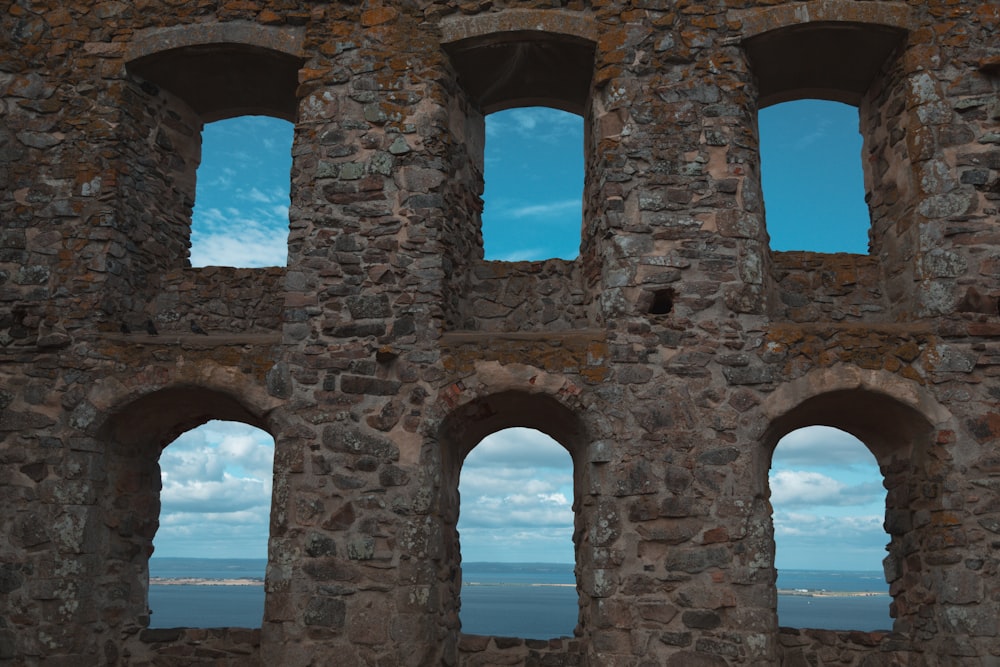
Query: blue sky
x=516, y=487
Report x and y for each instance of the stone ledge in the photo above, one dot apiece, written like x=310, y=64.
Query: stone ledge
x=195, y=341
x=450, y=338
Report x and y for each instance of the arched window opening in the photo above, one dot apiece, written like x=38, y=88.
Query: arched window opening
x=516, y=528
x=812, y=177
x=183, y=77
x=829, y=508
x=211, y=545
x=240, y=215
x=534, y=174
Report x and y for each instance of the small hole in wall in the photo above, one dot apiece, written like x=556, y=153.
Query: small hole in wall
x=662, y=302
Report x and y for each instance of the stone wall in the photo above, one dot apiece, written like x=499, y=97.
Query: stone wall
x=836, y=287
x=526, y=296
x=668, y=359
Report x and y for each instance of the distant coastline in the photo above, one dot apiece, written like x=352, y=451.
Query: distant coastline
x=504, y=583
x=530, y=600
x=255, y=581
x=200, y=581
x=808, y=593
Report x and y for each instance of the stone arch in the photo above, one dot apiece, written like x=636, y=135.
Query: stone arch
x=523, y=58
x=144, y=415
x=213, y=388
x=895, y=418
x=505, y=397
x=760, y=20
x=157, y=419
x=468, y=424
x=223, y=69
x=899, y=422
x=840, y=48
x=175, y=80
x=819, y=396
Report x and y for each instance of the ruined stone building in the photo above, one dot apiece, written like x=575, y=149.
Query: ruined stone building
x=668, y=359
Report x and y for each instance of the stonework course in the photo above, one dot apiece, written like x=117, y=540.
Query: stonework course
x=668, y=359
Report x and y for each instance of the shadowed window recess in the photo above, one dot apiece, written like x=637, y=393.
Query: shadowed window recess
x=533, y=89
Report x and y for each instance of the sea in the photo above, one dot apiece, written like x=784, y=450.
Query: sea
x=528, y=600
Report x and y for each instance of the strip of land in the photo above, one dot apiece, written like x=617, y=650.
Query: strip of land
x=198, y=581
x=504, y=583
x=809, y=593
x=248, y=581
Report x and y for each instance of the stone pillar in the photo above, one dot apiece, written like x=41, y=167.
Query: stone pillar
x=674, y=203
x=382, y=203
x=675, y=221
x=929, y=147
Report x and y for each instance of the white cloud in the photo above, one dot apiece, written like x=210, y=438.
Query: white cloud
x=796, y=488
x=804, y=487
x=216, y=484
x=823, y=446
x=537, y=124
x=516, y=490
x=518, y=447
x=502, y=481
x=523, y=255
x=810, y=540
x=214, y=497
x=503, y=516
x=544, y=210
x=815, y=136
x=246, y=243
x=555, y=499
x=241, y=205
x=525, y=120
x=256, y=195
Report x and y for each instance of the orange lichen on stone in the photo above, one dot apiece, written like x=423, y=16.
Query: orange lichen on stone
x=667, y=357
x=378, y=16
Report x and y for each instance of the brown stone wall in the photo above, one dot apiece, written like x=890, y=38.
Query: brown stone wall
x=668, y=359
x=526, y=296
x=828, y=287
x=220, y=299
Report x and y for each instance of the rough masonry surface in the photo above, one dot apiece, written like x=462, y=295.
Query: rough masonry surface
x=668, y=359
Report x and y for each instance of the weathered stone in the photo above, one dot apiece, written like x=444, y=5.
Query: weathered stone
x=326, y=612
x=704, y=620
x=365, y=307
x=655, y=610
x=361, y=384
x=719, y=457
x=696, y=560
x=279, y=381
x=10, y=578
x=361, y=548
x=669, y=357
x=393, y=476
x=691, y=659
x=346, y=439
x=320, y=545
